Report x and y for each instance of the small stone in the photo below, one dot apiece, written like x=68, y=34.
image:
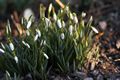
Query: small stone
x=88, y=78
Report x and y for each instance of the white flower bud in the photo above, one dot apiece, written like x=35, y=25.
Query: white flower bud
x=71, y=29
x=8, y=73
x=38, y=32
x=63, y=24
x=62, y=36
x=2, y=51
x=26, y=44
x=91, y=19
x=29, y=24
x=16, y=59
x=46, y=56
x=11, y=46
x=55, y=16
x=47, y=22
x=71, y=16
x=36, y=37
x=50, y=8
x=83, y=14
x=94, y=29
x=59, y=23
x=2, y=45
x=27, y=32
x=75, y=19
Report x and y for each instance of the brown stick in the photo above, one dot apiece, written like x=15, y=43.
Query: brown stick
x=60, y=3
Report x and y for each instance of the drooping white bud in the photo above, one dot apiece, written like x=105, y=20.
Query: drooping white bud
x=71, y=16
x=28, y=13
x=2, y=51
x=26, y=44
x=55, y=16
x=83, y=14
x=36, y=37
x=75, y=19
x=62, y=36
x=50, y=8
x=16, y=59
x=27, y=32
x=47, y=22
x=94, y=29
x=38, y=32
x=46, y=56
x=11, y=46
x=29, y=24
x=71, y=29
x=59, y=23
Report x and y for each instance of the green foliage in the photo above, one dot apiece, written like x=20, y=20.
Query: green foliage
x=59, y=43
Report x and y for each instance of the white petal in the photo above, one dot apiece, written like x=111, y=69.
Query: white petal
x=46, y=56
x=38, y=32
x=47, y=22
x=55, y=16
x=8, y=73
x=29, y=24
x=11, y=46
x=27, y=32
x=63, y=24
x=26, y=44
x=2, y=51
x=28, y=13
x=50, y=8
x=71, y=16
x=36, y=37
x=62, y=36
x=2, y=45
x=94, y=29
x=75, y=19
x=83, y=14
x=16, y=59
x=71, y=29
x=59, y=23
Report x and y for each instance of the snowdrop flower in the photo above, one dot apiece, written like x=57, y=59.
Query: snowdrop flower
x=8, y=73
x=62, y=36
x=50, y=8
x=11, y=46
x=55, y=16
x=43, y=42
x=2, y=46
x=29, y=24
x=47, y=22
x=67, y=8
x=38, y=32
x=16, y=59
x=28, y=13
x=2, y=51
x=26, y=44
x=91, y=19
x=83, y=14
x=59, y=23
x=63, y=24
x=71, y=29
x=94, y=29
x=9, y=28
x=75, y=19
x=71, y=16
x=36, y=37
x=27, y=32
x=46, y=56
